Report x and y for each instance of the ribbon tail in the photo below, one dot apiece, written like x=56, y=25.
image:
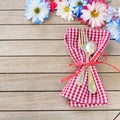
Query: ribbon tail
x=114, y=67
x=67, y=78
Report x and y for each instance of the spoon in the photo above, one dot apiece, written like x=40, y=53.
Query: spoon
x=89, y=50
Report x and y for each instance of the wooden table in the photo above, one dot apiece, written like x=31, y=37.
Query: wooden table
x=33, y=59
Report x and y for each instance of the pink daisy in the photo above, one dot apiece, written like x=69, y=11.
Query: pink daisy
x=94, y=13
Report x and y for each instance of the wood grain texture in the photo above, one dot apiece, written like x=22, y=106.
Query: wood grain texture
x=34, y=31
x=45, y=47
x=11, y=4
x=19, y=18
x=19, y=4
x=118, y=118
x=48, y=82
x=54, y=32
x=46, y=64
x=33, y=48
x=33, y=59
x=48, y=101
x=59, y=115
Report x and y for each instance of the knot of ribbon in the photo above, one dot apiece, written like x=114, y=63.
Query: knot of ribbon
x=92, y=62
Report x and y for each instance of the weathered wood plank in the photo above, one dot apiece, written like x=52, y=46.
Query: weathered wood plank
x=59, y=115
x=46, y=64
x=48, y=82
x=19, y=4
x=12, y=4
x=47, y=101
x=33, y=48
x=118, y=118
x=113, y=48
x=7, y=18
x=34, y=31
x=15, y=48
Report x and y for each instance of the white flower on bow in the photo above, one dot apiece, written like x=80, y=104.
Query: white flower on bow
x=65, y=11
x=37, y=10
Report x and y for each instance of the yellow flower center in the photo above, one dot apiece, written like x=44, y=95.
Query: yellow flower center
x=67, y=9
x=94, y=13
x=79, y=3
x=37, y=10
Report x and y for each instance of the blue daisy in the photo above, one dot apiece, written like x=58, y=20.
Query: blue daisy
x=114, y=28
x=37, y=10
x=77, y=6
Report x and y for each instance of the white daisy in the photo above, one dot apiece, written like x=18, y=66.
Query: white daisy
x=65, y=11
x=94, y=14
x=37, y=10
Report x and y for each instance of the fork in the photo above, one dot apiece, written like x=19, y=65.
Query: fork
x=83, y=40
x=82, y=44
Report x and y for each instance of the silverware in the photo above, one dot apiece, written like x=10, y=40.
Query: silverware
x=89, y=48
x=82, y=44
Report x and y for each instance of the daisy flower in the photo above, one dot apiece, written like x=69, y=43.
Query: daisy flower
x=94, y=14
x=77, y=6
x=65, y=11
x=114, y=28
x=37, y=10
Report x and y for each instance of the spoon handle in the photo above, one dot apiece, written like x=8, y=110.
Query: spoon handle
x=91, y=82
x=80, y=78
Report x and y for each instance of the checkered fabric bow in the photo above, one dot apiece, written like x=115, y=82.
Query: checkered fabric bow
x=79, y=96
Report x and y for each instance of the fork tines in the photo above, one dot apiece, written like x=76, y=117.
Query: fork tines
x=82, y=39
